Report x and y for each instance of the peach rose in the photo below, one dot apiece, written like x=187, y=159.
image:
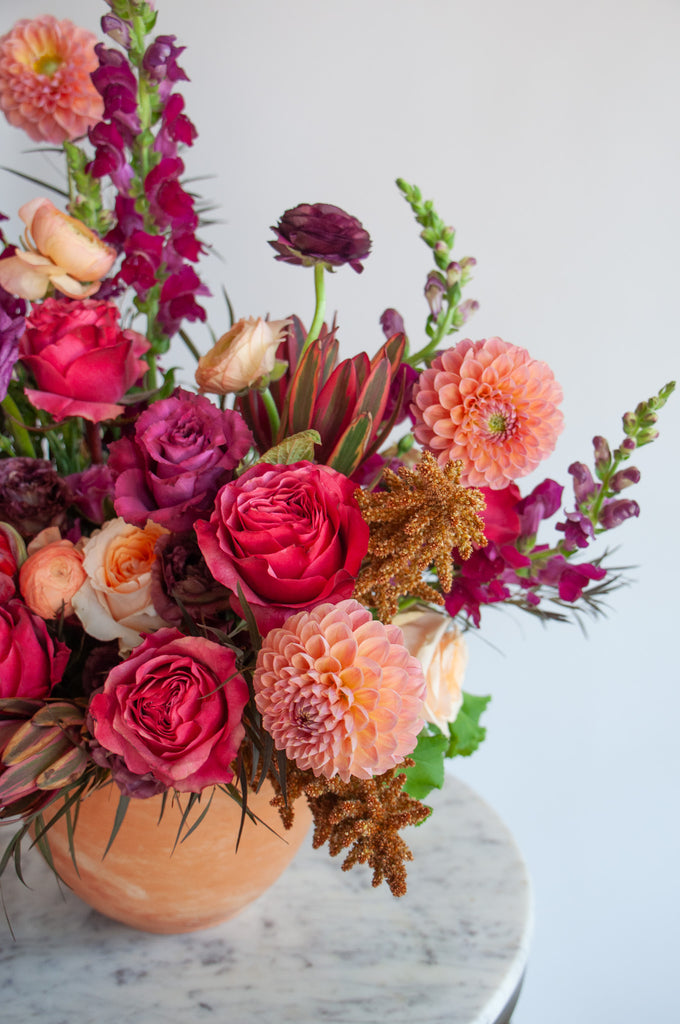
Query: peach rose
x=242, y=356
x=115, y=602
x=51, y=575
x=441, y=650
x=61, y=251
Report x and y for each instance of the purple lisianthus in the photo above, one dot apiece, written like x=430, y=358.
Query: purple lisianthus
x=32, y=495
x=183, y=450
x=321, y=233
x=182, y=584
x=12, y=317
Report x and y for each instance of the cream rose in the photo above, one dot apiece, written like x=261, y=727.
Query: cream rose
x=441, y=650
x=51, y=575
x=115, y=600
x=241, y=357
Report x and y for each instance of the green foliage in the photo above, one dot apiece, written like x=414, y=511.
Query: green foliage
x=466, y=733
x=296, y=448
x=428, y=771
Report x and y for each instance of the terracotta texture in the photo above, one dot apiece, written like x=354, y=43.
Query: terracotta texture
x=144, y=883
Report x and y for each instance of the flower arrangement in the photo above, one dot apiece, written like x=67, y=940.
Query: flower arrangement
x=272, y=582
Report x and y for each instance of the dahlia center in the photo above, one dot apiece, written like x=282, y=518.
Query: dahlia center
x=496, y=421
x=48, y=64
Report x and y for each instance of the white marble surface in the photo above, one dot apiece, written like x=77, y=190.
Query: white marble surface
x=320, y=946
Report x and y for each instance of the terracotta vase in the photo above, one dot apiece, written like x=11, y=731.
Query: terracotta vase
x=144, y=883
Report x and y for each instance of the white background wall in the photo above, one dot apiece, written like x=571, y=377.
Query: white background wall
x=548, y=134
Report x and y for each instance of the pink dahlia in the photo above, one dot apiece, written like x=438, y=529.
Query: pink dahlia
x=45, y=85
x=489, y=404
x=339, y=692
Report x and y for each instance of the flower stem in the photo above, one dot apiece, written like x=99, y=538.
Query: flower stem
x=272, y=412
x=94, y=442
x=320, y=311
x=15, y=424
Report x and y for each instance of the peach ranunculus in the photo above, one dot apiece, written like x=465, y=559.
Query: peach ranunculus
x=45, y=83
x=60, y=252
x=242, y=358
x=441, y=650
x=115, y=600
x=51, y=575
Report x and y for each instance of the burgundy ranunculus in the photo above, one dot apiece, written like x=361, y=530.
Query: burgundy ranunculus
x=92, y=492
x=31, y=662
x=181, y=582
x=82, y=361
x=290, y=536
x=32, y=495
x=320, y=233
x=183, y=450
x=173, y=710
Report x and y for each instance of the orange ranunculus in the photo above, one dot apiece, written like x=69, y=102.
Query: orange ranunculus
x=441, y=650
x=242, y=357
x=51, y=575
x=60, y=251
x=115, y=600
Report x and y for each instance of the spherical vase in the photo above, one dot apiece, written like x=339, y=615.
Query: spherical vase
x=150, y=882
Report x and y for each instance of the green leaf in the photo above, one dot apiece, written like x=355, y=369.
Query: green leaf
x=466, y=732
x=296, y=448
x=428, y=772
x=123, y=802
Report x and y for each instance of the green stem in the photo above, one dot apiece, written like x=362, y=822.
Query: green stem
x=272, y=413
x=320, y=311
x=94, y=442
x=15, y=424
x=190, y=345
x=150, y=378
x=443, y=329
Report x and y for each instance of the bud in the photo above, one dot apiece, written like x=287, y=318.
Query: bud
x=117, y=29
x=624, y=478
x=465, y=311
x=629, y=422
x=584, y=485
x=454, y=272
x=628, y=444
x=434, y=292
x=617, y=511
x=603, y=455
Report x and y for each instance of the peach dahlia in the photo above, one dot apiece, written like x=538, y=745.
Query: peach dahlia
x=490, y=405
x=45, y=84
x=339, y=692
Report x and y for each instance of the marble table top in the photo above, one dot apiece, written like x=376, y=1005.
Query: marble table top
x=320, y=946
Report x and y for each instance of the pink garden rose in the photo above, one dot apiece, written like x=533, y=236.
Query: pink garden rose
x=289, y=536
x=183, y=450
x=83, y=363
x=31, y=662
x=173, y=710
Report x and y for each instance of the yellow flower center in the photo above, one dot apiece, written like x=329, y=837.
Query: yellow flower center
x=48, y=64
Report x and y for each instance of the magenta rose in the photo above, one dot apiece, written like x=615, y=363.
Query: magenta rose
x=82, y=362
x=183, y=450
x=173, y=711
x=290, y=536
x=31, y=662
